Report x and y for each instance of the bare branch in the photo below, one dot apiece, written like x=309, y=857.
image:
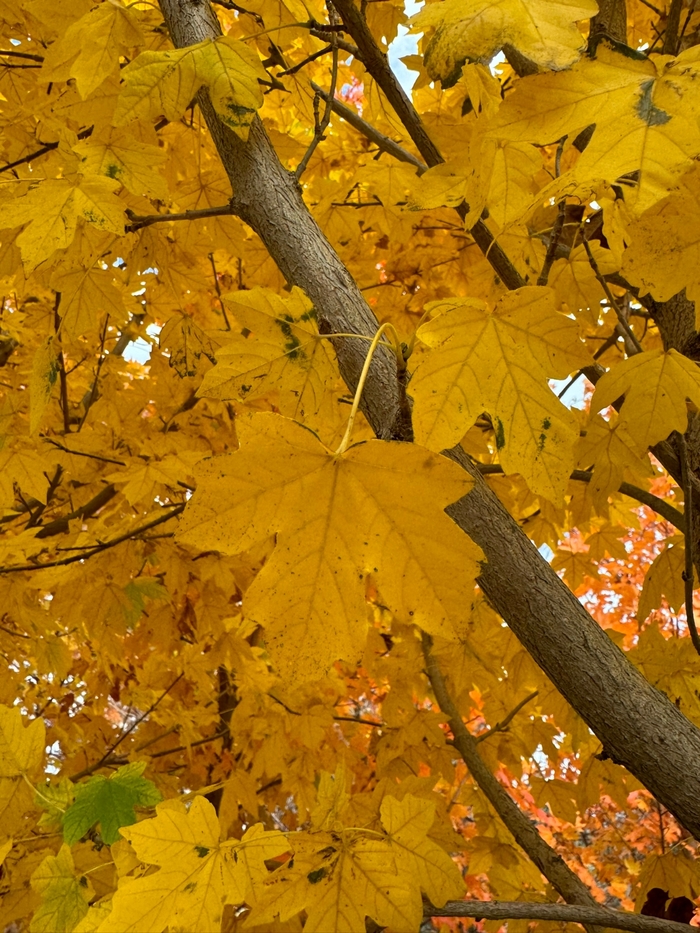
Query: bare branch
x=137, y=221
x=379, y=139
x=624, y=324
x=569, y=913
x=549, y=862
x=91, y=550
x=664, y=509
x=322, y=125
x=504, y=723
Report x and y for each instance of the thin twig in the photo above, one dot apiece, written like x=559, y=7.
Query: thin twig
x=689, y=572
x=569, y=913
x=61, y=367
x=367, y=130
x=218, y=291
x=309, y=58
x=15, y=54
x=342, y=44
x=553, y=244
x=138, y=221
x=60, y=525
x=321, y=127
x=92, y=768
x=97, y=548
x=89, y=400
x=609, y=295
x=504, y=723
x=664, y=509
x=80, y=453
x=47, y=147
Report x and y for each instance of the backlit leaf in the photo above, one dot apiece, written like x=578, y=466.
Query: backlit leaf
x=336, y=519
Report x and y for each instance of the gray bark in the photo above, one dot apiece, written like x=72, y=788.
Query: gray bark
x=638, y=726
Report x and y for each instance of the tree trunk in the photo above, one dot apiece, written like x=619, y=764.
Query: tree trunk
x=638, y=726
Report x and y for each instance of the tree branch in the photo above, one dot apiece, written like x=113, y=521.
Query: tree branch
x=524, y=831
x=379, y=139
x=507, y=720
x=377, y=64
x=140, y=221
x=664, y=509
x=91, y=550
x=568, y=913
x=322, y=125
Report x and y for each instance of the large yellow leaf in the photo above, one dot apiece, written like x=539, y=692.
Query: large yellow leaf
x=64, y=895
x=277, y=353
x=376, y=508
x=408, y=822
x=197, y=876
x=656, y=385
x=500, y=361
x=165, y=83
x=644, y=111
x=543, y=30
x=51, y=210
x=664, y=255
x=89, y=49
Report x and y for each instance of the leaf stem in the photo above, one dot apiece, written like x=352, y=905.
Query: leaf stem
x=345, y=443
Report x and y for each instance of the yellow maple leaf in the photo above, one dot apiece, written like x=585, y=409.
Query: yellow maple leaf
x=542, y=30
x=84, y=294
x=610, y=449
x=500, y=361
x=165, y=83
x=336, y=517
x=644, y=111
x=664, y=578
x=187, y=344
x=123, y=154
x=656, y=385
x=664, y=254
x=52, y=209
x=424, y=862
x=198, y=874
x=278, y=353
x=89, y=49
x=64, y=895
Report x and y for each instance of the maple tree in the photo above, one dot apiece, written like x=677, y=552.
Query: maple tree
x=364, y=594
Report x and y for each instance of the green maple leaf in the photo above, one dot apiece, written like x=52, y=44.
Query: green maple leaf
x=109, y=802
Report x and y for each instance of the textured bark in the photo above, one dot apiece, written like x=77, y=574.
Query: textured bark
x=638, y=726
x=519, y=910
x=268, y=198
x=611, y=20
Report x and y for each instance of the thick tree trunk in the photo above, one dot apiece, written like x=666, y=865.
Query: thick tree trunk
x=638, y=726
